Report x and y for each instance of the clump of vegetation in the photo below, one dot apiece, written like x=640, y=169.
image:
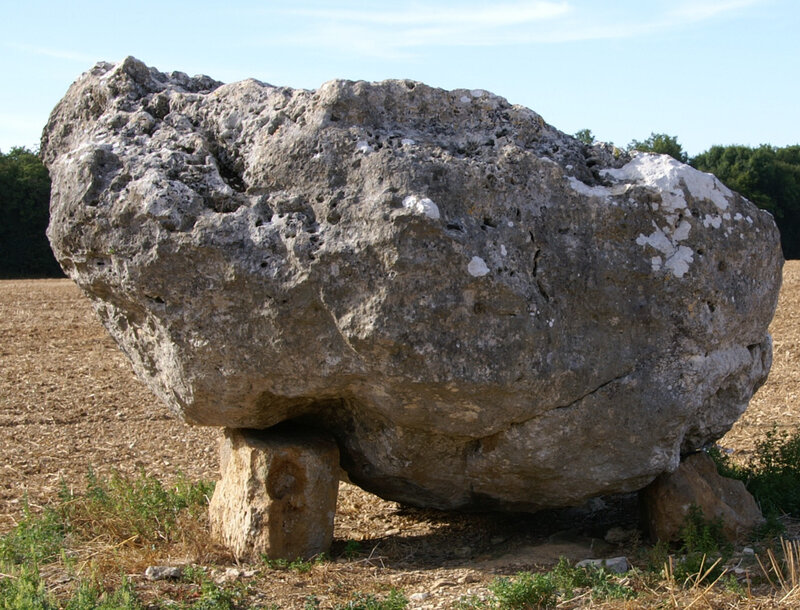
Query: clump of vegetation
x=772, y=474
x=113, y=513
x=299, y=565
x=528, y=590
x=525, y=590
x=36, y=539
x=140, y=509
x=703, y=550
x=352, y=549
x=211, y=596
x=662, y=144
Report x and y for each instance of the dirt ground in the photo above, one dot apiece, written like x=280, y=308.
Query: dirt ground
x=70, y=401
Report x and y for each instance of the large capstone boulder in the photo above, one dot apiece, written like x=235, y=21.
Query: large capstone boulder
x=483, y=311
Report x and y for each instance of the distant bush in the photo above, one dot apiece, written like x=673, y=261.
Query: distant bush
x=24, y=214
x=662, y=144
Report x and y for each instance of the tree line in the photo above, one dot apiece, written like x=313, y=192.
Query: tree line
x=768, y=176
x=24, y=214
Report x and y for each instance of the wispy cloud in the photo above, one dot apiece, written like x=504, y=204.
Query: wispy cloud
x=64, y=54
x=700, y=10
x=396, y=33
x=496, y=15
x=384, y=32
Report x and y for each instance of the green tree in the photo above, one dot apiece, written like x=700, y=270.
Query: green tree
x=586, y=136
x=24, y=214
x=767, y=176
x=663, y=144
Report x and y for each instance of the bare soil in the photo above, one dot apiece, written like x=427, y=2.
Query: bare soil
x=69, y=401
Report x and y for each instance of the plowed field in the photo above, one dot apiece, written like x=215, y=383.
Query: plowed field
x=70, y=401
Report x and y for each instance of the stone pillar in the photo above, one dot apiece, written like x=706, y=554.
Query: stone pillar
x=277, y=495
x=666, y=501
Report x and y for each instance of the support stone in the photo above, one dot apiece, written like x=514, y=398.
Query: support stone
x=666, y=501
x=277, y=495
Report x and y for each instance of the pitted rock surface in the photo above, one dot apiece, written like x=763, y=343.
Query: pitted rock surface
x=483, y=311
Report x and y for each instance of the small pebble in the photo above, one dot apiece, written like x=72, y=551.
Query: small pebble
x=618, y=565
x=163, y=573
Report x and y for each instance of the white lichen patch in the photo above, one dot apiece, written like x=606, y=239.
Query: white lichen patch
x=677, y=258
x=477, y=267
x=589, y=191
x=673, y=181
x=682, y=231
x=670, y=177
x=658, y=240
x=679, y=261
x=422, y=205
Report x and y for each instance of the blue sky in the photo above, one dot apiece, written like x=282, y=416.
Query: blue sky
x=707, y=71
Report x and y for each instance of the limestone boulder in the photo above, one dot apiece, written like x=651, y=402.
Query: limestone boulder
x=483, y=311
x=668, y=500
x=277, y=494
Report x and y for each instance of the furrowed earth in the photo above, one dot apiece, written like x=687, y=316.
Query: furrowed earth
x=69, y=401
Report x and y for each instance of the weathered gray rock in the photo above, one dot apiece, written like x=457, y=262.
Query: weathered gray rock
x=615, y=565
x=163, y=572
x=482, y=310
x=277, y=494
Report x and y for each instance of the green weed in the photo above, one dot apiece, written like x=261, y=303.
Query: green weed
x=772, y=475
x=212, y=596
x=703, y=551
x=301, y=566
x=24, y=589
x=37, y=539
x=543, y=590
x=352, y=549
x=118, y=510
x=90, y=597
x=525, y=591
x=139, y=508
